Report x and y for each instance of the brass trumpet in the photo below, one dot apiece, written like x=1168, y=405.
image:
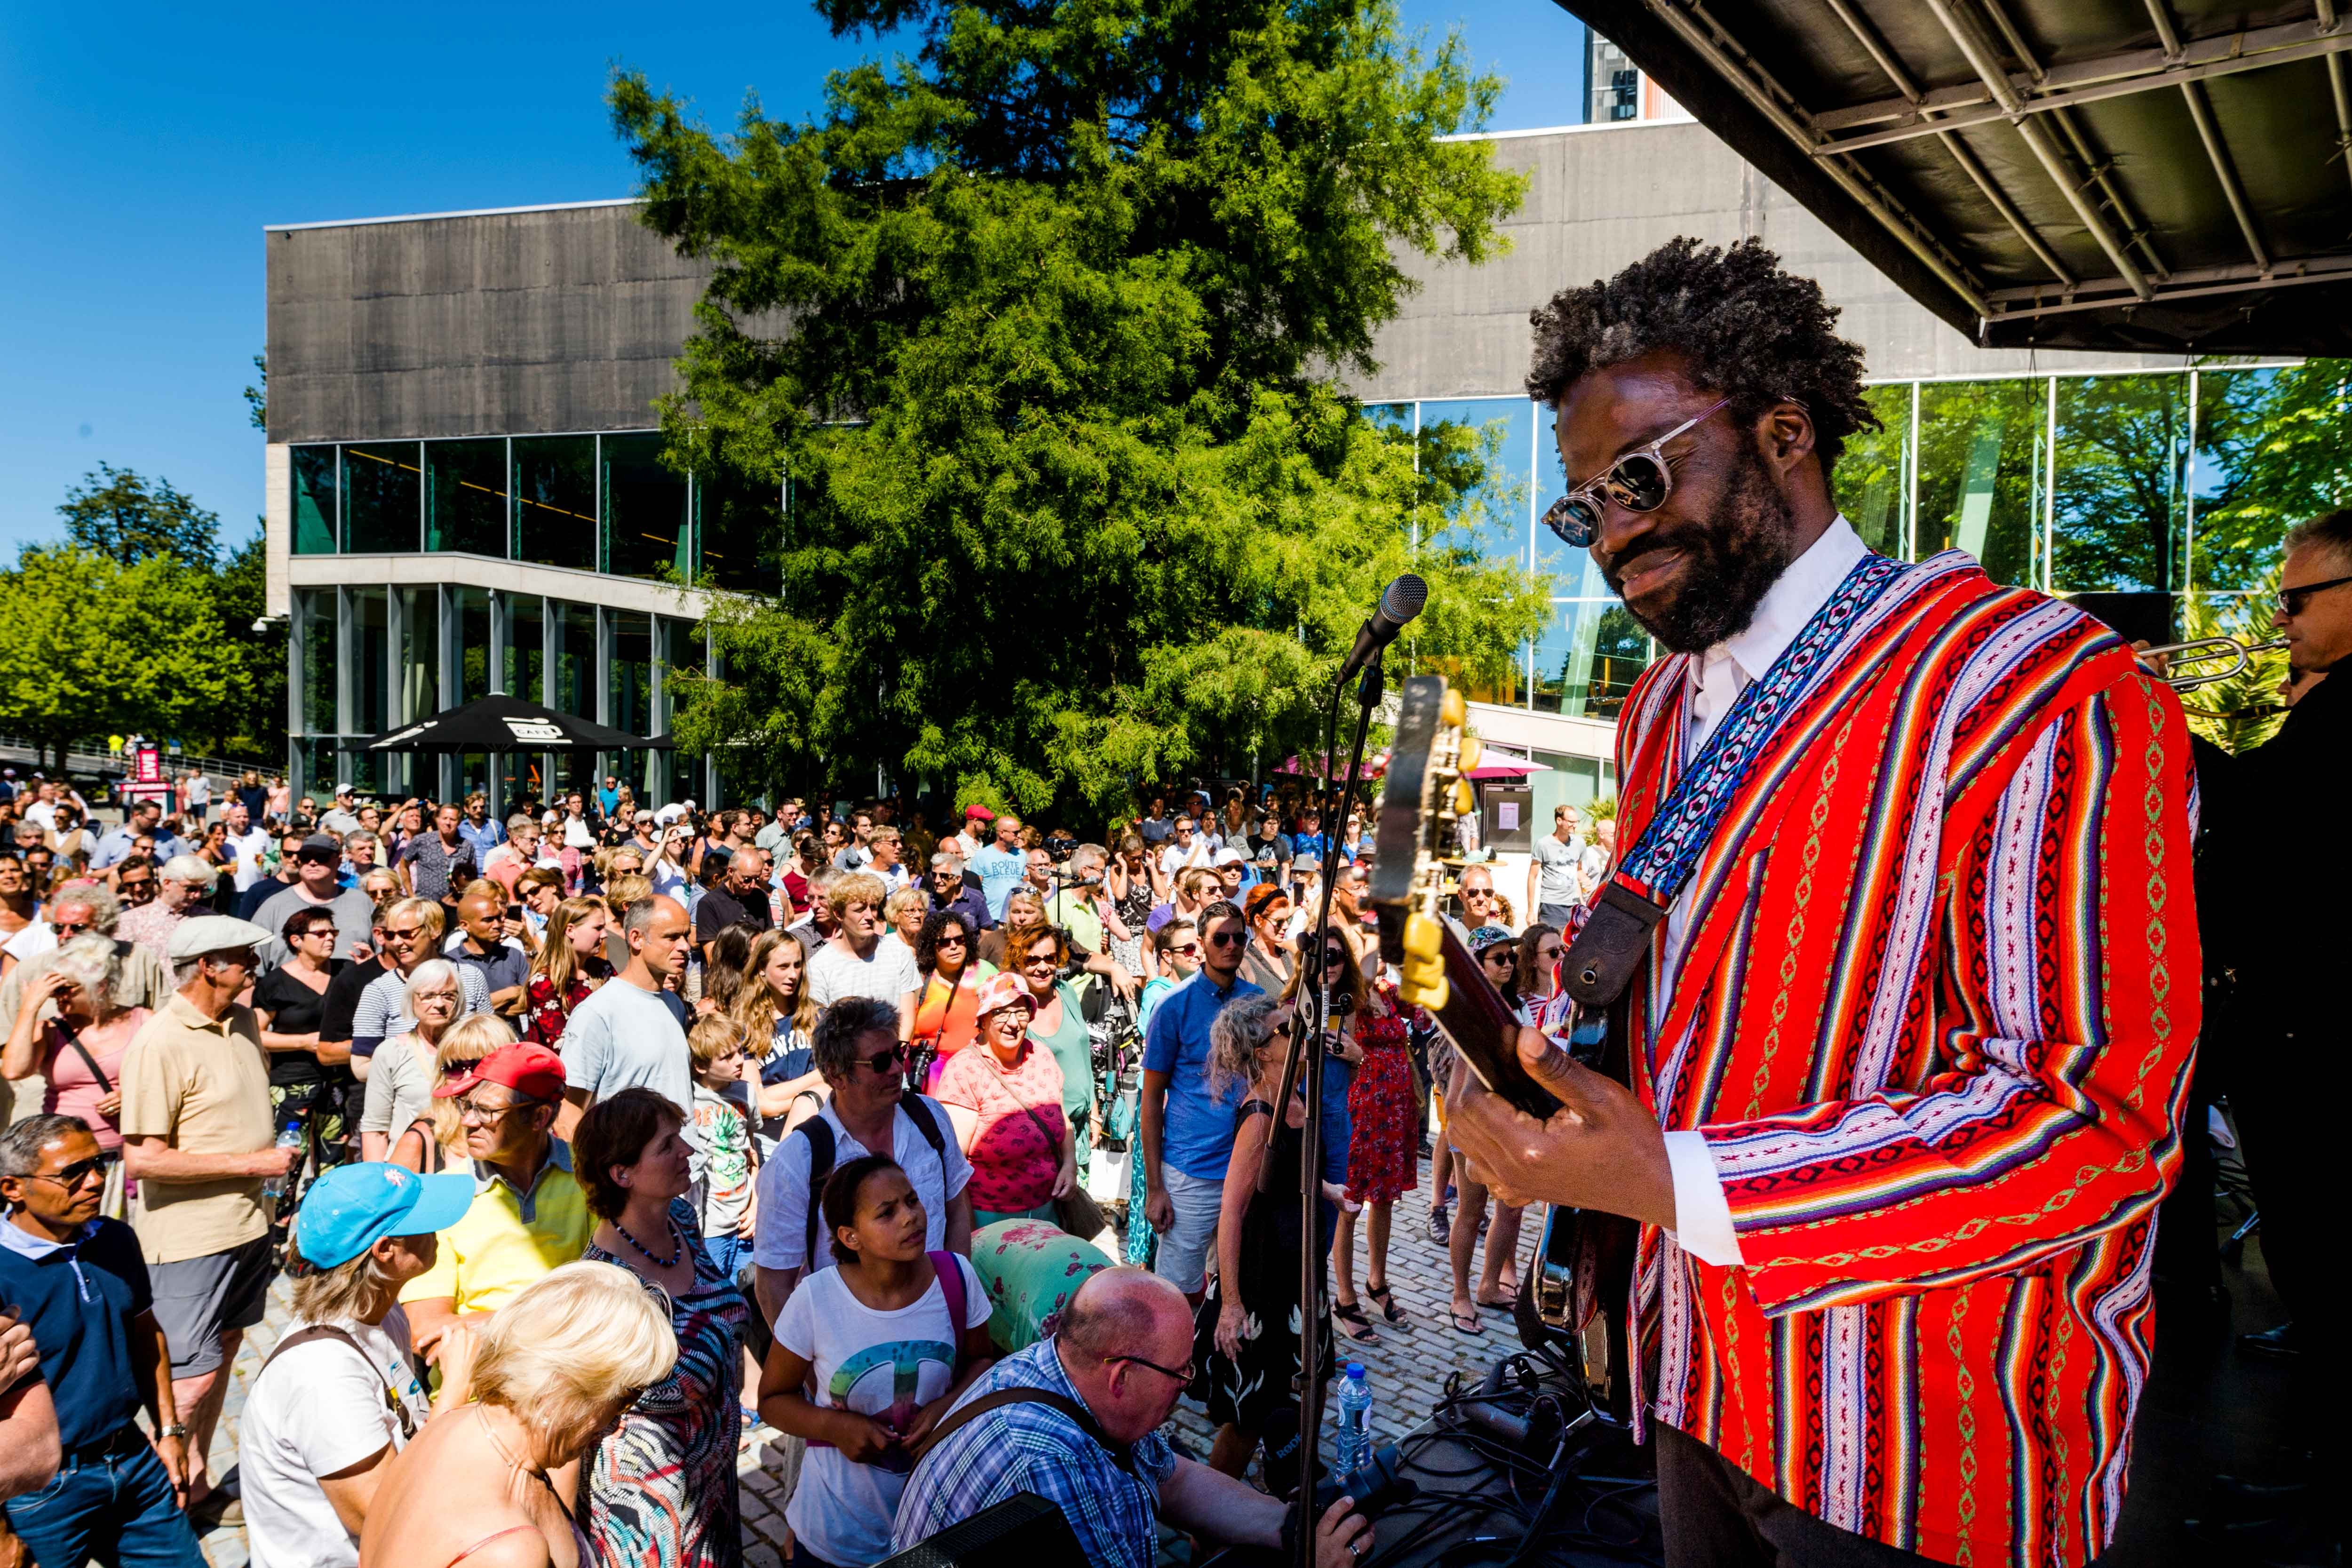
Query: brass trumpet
x=2180, y=653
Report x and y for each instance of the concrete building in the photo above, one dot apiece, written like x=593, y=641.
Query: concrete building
x=464, y=495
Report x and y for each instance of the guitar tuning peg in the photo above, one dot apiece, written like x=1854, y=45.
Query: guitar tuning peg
x=1459, y=800
x=1453, y=710
x=1472, y=749
x=1423, y=937
x=1432, y=995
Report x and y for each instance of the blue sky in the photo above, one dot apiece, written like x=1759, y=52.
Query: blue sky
x=142, y=147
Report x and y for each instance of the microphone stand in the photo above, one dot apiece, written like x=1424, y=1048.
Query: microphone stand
x=1311, y=1056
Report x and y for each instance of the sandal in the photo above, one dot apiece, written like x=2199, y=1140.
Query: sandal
x=1386, y=1300
x=1476, y=1325
x=1360, y=1328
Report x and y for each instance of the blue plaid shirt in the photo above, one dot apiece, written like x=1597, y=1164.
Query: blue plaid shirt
x=1033, y=1449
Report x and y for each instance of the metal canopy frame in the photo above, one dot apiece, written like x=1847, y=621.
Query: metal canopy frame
x=2141, y=176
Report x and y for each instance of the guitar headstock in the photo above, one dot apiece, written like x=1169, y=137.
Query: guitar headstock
x=1420, y=812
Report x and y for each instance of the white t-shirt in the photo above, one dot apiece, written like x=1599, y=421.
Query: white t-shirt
x=784, y=1186
x=319, y=1409
x=888, y=1364
x=1173, y=859
x=886, y=976
x=249, y=848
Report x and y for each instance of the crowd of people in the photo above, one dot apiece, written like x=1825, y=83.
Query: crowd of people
x=828, y=1083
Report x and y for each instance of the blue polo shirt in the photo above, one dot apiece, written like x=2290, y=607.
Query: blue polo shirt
x=78, y=1299
x=1196, y=1133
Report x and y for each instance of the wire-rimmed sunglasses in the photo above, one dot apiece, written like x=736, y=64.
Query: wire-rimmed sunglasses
x=1638, y=480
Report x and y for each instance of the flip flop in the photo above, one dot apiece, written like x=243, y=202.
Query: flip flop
x=1387, y=1300
x=1360, y=1328
x=1476, y=1324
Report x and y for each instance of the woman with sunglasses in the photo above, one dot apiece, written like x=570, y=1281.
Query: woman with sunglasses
x=1268, y=963
x=78, y=1050
x=1059, y=1023
x=290, y=1001
x=1245, y=1334
x=947, y=1015
x=1382, y=1137
x=1497, y=952
x=1005, y=1098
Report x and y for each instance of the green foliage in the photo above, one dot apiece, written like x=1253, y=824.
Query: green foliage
x=256, y=399
x=114, y=513
x=91, y=645
x=1040, y=325
x=2282, y=442
x=2122, y=491
x=2242, y=712
x=252, y=722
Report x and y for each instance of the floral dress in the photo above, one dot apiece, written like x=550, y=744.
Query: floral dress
x=661, y=1489
x=1382, y=1165
x=1245, y=1389
x=545, y=1014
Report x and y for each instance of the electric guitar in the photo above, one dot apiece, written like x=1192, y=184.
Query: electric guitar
x=1427, y=795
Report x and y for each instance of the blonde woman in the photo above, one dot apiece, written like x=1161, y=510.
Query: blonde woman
x=401, y=1078
x=903, y=917
x=548, y=1377
x=470, y=1039
x=778, y=1019
x=570, y=965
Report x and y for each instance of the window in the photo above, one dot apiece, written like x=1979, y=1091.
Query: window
x=1980, y=466
x=739, y=523
x=1873, y=481
x=629, y=677
x=318, y=613
x=1586, y=664
x=367, y=660
x=2122, y=489
x=645, y=511
x=555, y=500
x=382, y=494
x=1489, y=447
x=526, y=649
x=465, y=497
x=574, y=658
x=420, y=681
x=471, y=609
x=316, y=522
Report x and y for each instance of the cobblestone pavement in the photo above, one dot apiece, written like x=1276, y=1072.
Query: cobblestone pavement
x=1407, y=1368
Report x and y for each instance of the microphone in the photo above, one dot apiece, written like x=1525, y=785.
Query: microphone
x=1400, y=603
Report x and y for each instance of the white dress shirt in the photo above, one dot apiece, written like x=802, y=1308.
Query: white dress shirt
x=1721, y=673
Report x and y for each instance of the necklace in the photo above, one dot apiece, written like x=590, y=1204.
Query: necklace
x=649, y=1254
x=490, y=1433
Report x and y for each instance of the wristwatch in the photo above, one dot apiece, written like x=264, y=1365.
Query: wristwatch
x=176, y=1429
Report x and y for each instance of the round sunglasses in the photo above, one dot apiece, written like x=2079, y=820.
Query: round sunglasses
x=1641, y=480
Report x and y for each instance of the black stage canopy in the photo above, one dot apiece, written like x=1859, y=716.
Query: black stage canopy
x=2156, y=176
x=510, y=724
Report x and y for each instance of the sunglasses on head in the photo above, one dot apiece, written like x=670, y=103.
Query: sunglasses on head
x=1639, y=480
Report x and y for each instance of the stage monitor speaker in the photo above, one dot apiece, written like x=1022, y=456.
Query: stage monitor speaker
x=1024, y=1531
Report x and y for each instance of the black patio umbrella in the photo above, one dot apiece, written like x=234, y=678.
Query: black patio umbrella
x=502, y=723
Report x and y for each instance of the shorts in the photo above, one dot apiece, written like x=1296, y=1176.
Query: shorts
x=730, y=1253
x=1555, y=916
x=1185, y=1248
x=198, y=1299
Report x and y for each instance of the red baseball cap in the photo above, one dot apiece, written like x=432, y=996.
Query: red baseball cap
x=533, y=1072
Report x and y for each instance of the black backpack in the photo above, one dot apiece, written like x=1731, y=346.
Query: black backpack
x=819, y=1133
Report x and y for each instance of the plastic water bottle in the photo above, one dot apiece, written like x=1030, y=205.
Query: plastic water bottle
x=1354, y=1447
x=288, y=1137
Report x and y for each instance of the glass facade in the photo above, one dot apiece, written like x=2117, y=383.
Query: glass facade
x=382, y=497
x=318, y=509
x=2153, y=485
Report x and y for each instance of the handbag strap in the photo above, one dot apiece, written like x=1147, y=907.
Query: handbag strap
x=393, y=1405
x=1123, y=1455
x=73, y=1038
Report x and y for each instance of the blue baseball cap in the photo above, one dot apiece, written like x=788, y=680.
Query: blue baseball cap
x=351, y=1207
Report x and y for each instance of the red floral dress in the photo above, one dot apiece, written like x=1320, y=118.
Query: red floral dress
x=1382, y=1163
x=545, y=1014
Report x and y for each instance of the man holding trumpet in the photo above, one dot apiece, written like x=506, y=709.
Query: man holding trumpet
x=1908, y=1045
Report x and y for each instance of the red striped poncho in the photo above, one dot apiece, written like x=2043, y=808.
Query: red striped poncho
x=1935, y=1017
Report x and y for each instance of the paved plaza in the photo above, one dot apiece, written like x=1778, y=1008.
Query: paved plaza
x=1408, y=1368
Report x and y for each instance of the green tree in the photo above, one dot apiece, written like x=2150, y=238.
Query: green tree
x=116, y=513
x=91, y=645
x=2279, y=441
x=2242, y=712
x=252, y=722
x=1041, y=325
x=256, y=399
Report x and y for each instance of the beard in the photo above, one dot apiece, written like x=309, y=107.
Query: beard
x=1733, y=562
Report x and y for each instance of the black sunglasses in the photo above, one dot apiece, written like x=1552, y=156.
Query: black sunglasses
x=2291, y=600
x=1227, y=938
x=1641, y=480
x=72, y=1175
x=884, y=1063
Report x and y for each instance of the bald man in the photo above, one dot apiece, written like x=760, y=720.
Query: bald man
x=1123, y=1354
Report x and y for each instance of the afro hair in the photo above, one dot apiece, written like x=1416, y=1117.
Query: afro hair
x=1751, y=331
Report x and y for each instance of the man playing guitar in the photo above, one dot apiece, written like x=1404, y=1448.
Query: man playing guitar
x=1908, y=1043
